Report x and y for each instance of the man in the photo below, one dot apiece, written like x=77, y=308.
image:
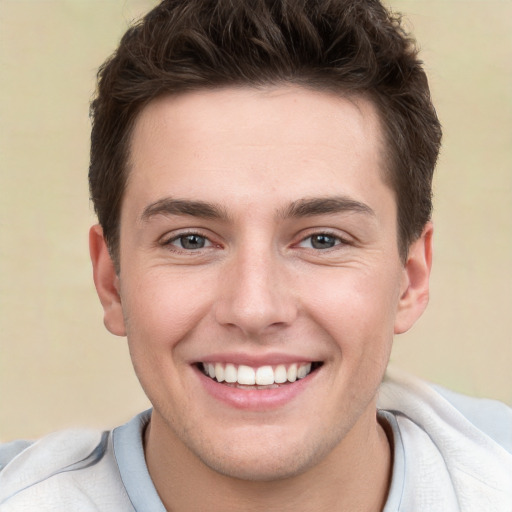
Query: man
x=262, y=177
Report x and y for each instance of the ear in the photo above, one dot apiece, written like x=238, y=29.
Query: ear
x=414, y=290
x=106, y=281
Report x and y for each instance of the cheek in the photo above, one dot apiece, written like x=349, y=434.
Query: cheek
x=358, y=309
x=162, y=308
x=162, y=312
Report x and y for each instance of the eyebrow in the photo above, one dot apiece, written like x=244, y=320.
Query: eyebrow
x=305, y=207
x=309, y=207
x=170, y=206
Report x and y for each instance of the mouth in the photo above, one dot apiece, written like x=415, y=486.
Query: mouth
x=262, y=377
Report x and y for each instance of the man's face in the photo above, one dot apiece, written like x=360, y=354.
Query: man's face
x=259, y=239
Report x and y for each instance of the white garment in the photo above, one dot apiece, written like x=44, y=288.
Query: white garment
x=444, y=460
x=450, y=453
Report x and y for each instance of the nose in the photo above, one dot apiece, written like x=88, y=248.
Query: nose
x=256, y=294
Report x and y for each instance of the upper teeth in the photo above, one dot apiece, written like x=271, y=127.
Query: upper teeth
x=262, y=376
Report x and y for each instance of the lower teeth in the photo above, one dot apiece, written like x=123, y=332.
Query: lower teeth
x=243, y=386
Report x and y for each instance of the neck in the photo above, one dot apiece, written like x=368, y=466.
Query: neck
x=354, y=476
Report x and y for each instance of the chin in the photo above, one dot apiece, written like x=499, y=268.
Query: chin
x=270, y=467
x=261, y=459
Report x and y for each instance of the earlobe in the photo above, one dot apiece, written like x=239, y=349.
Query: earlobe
x=414, y=293
x=106, y=281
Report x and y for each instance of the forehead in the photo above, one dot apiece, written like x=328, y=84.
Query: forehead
x=284, y=138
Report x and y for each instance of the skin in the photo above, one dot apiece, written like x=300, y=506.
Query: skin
x=261, y=289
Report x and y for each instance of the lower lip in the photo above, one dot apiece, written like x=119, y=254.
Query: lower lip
x=254, y=399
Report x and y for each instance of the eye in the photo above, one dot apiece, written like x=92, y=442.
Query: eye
x=321, y=241
x=190, y=242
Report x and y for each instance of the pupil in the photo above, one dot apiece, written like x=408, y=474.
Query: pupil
x=322, y=241
x=192, y=242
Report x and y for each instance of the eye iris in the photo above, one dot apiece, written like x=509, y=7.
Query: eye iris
x=192, y=241
x=323, y=241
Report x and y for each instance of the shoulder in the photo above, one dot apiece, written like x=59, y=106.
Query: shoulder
x=421, y=400
x=63, y=467
x=469, y=438
x=10, y=450
x=492, y=417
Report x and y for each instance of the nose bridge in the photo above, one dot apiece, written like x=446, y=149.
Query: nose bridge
x=256, y=296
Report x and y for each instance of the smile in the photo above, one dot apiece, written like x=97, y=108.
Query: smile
x=242, y=375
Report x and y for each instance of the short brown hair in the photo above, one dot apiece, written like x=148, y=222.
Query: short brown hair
x=345, y=46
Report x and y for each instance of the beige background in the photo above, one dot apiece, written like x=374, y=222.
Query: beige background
x=58, y=365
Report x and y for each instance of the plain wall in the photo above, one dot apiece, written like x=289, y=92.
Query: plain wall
x=58, y=365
